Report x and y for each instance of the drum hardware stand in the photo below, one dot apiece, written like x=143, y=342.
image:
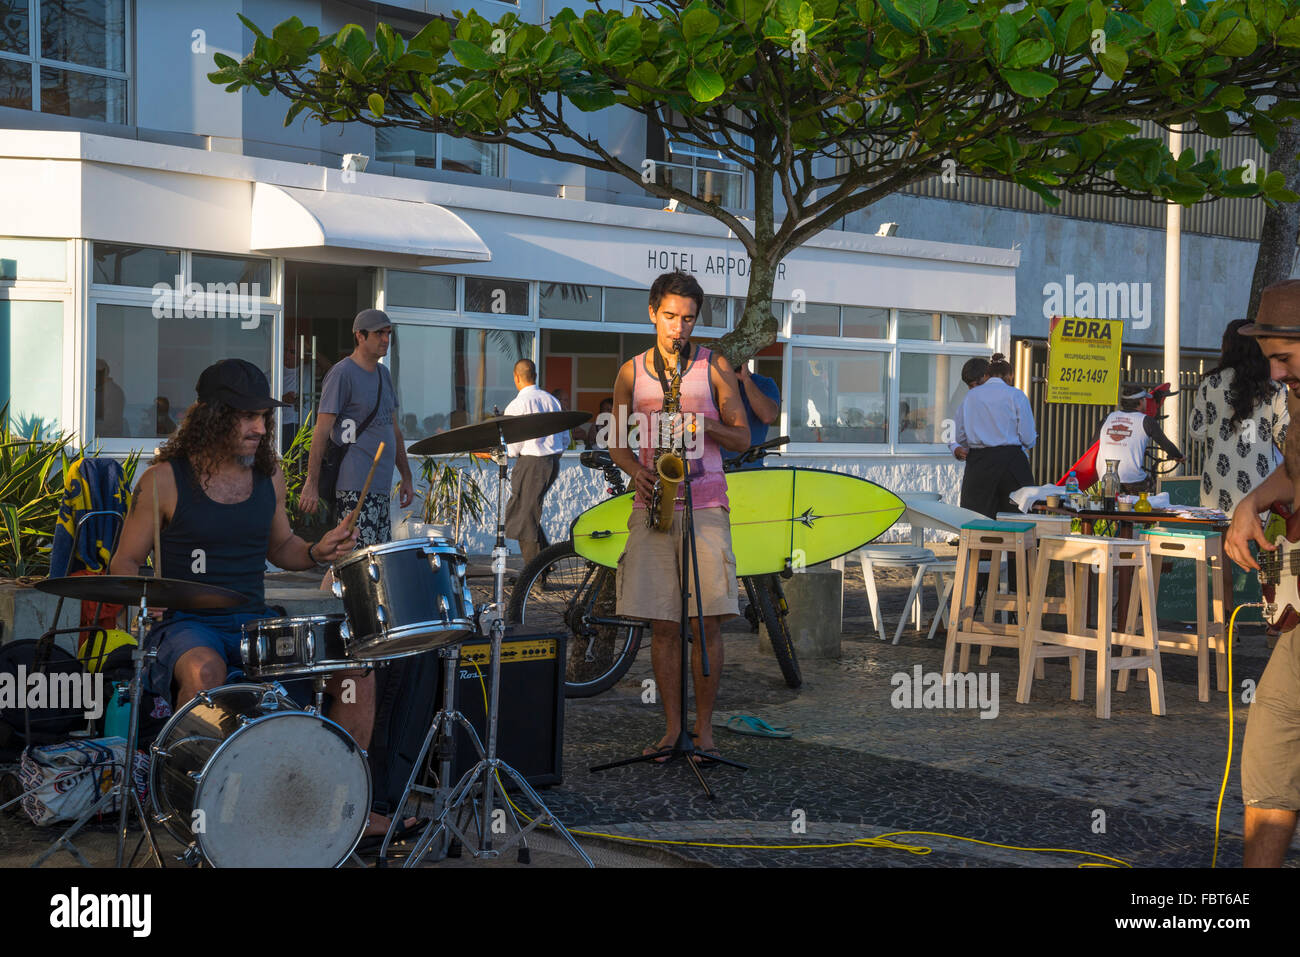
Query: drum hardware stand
x=444, y=728
x=483, y=781
x=684, y=746
x=124, y=789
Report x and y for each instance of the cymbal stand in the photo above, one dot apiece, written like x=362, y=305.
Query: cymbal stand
x=482, y=783
x=124, y=789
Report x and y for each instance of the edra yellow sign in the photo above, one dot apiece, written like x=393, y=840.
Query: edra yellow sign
x=1083, y=360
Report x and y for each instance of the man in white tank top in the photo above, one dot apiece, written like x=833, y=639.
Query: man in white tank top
x=1124, y=437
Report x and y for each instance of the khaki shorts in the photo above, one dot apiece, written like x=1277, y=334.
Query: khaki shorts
x=1270, y=756
x=649, y=573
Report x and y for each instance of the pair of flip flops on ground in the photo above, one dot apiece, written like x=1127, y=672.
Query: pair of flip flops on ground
x=704, y=757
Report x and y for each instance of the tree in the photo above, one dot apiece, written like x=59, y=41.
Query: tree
x=1277, y=240
x=830, y=105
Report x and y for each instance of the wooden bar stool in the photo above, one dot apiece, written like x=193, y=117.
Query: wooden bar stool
x=998, y=538
x=1108, y=555
x=1205, y=548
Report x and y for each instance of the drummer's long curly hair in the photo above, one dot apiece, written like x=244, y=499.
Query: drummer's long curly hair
x=207, y=434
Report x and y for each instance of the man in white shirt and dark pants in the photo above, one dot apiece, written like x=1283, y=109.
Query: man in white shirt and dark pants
x=537, y=466
x=995, y=427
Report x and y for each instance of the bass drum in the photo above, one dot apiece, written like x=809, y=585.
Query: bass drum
x=245, y=778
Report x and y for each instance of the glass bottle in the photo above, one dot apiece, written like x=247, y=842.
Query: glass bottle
x=1142, y=504
x=1110, y=485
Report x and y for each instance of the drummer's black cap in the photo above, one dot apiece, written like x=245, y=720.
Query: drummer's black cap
x=238, y=383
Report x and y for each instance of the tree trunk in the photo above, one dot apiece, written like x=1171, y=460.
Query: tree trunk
x=1277, y=241
x=757, y=327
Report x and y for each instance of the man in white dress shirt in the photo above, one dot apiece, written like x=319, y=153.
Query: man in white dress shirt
x=537, y=466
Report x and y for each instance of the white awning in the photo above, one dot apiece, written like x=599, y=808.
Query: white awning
x=342, y=227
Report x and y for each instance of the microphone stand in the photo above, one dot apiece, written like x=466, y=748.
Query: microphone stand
x=684, y=746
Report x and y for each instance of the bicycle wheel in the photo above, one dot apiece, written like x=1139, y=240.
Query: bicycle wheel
x=772, y=609
x=561, y=591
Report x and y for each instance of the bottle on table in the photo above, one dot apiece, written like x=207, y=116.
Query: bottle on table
x=1142, y=504
x=1072, y=490
x=1110, y=485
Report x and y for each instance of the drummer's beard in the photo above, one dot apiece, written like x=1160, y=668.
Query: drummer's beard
x=246, y=461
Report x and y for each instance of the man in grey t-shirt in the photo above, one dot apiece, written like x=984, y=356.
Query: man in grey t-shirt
x=348, y=396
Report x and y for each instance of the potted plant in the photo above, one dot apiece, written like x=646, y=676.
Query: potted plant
x=440, y=482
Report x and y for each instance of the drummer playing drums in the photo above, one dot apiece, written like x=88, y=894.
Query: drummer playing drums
x=219, y=494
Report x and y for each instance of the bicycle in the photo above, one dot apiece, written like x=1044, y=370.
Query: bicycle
x=560, y=590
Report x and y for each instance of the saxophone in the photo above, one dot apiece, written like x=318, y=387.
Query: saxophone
x=669, y=466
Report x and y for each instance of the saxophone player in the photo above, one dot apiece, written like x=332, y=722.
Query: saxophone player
x=711, y=418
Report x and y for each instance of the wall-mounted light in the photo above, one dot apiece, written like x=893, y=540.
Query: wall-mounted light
x=355, y=162
x=887, y=229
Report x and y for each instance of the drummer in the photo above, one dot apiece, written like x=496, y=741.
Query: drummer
x=220, y=499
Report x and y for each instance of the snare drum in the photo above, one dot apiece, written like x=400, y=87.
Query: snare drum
x=295, y=647
x=403, y=598
x=245, y=778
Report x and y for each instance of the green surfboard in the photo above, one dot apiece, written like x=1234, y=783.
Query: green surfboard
x=804, y=516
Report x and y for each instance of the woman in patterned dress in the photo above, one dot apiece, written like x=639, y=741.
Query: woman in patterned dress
x=1241, y=414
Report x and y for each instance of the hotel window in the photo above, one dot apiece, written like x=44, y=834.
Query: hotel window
x=694, y=166
x=31, y=365
x=900, y=392
x=146, y=366
x=67, y=57
x=162, y=316
x=451, y=376
x=436, y=151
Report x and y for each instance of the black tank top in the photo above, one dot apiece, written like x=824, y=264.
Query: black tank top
x=216, y=544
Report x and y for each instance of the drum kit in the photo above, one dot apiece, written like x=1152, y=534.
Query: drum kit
x=243, y=776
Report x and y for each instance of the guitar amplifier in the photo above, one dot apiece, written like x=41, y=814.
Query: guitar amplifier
x=530, y=706
x=530, y=726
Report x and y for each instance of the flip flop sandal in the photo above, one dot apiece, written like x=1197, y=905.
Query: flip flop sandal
x=655, y=748
x=753, y=725
x=704, y=757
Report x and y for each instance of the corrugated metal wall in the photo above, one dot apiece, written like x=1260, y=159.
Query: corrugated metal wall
x=1236, y=218
x=1066, y=430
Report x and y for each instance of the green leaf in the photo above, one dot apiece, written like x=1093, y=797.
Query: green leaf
x=472, y=55
x=224, y=61
x=623, y=43
x=806, y=18
x=1214, y=124
x=704, y=84
x=1005, y=35
x=1159, y=15
x=1235, y=38
x=584, y=43
x=509, y=103
x=918, y=12
x=1288, y=34
x=1114, y=61
x=1030, y=83
x=787, y=11
x=701, y=23
x=1029, y=53
x=352, y=41
x=376, y=104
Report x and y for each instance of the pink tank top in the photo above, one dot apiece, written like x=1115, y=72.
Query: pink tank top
x=708, y=483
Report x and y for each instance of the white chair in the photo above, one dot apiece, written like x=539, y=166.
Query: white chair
x=894, y=556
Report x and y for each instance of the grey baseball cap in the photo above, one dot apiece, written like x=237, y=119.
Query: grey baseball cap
x=368, y=320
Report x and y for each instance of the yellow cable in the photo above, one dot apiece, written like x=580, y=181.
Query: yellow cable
x=1227, y=766
x=880, y=840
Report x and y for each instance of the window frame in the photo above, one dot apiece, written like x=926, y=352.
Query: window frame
x=36, y=61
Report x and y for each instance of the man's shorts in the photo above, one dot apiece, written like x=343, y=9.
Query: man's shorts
x=180, y=631
x=1270, y=756
x=649, y=573
x=374, y=524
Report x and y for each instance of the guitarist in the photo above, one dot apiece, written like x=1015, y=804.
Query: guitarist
x=1270, y=759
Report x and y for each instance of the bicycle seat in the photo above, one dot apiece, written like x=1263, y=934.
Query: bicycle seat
x=596, y=459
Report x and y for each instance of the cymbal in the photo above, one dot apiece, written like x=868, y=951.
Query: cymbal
x=126, y=590
x=487, y=434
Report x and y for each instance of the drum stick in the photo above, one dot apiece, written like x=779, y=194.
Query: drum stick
x=351, y=520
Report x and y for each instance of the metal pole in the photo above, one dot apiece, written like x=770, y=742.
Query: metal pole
x=1173, y=289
